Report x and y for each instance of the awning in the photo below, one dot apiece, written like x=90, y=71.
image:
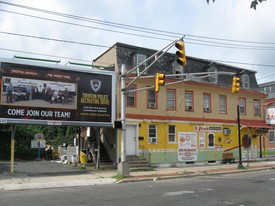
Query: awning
x=255, y=124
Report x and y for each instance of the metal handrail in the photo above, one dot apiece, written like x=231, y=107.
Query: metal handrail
x=147, y=155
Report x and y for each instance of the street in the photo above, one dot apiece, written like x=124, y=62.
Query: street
x=253, y=188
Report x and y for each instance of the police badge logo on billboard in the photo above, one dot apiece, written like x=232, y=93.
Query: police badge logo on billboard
x=95, y=85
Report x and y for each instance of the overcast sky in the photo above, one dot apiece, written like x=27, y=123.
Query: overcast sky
x=227, y=30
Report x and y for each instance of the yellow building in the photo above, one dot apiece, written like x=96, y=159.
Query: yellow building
x=193, y=118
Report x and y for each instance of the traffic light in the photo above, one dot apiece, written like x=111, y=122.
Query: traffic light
x=160, y=81
x=180, y=53
x=235, y=85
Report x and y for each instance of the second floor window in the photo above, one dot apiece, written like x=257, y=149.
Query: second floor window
x=223, y=105
x=206, y=103
x=242, y=106
x=189, y=101
x=257, y=108
x=131, y=97
x=171, y=101
x=151, y=99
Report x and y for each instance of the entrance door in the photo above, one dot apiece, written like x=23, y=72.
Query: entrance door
x=131, y=140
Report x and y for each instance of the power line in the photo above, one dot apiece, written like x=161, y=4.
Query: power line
x=207, y=43
x=52, y=39
x=47, y=55
x=146, y=30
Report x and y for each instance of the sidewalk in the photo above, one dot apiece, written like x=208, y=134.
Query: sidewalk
x=68, y=176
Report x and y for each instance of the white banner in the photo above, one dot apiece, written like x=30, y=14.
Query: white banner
x=187, y=146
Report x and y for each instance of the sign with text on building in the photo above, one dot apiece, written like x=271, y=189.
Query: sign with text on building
x=199, y=128
x=270, y=116
x=187, y=146
x=36, y=93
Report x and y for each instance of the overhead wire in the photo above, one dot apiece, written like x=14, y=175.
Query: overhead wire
x=137, y=29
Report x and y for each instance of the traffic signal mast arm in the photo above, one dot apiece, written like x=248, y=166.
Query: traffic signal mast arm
x=189, y=77
x=156, y=55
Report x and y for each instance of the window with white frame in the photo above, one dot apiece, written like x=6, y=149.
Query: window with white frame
x=211, y=140
x=152, y=104
x=206, y=102
x=171, y=99
x=213, y=78
x=189, y=101
x=131, y=97
x=139, y=58
x=257, y=107
x=242, y=105
x=223, y=105
x=171, y=134
x=152, y=134
x=245, y=81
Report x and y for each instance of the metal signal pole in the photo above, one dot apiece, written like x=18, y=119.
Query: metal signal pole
x=123, y=168
x=239, y=137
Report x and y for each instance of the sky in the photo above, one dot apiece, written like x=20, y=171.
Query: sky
x=227, y=31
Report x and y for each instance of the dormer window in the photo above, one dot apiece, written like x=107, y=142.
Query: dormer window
x=139, y=58
x=177, y=69
x=213, y=77
x=245, y=81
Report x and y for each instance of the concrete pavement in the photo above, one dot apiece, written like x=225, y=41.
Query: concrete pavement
x=47, y=174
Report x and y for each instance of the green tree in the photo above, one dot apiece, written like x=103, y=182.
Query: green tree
x=54, y=135
x=253, y=4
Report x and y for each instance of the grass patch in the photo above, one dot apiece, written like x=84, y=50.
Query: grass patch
x=242, y=167
x=118, y=177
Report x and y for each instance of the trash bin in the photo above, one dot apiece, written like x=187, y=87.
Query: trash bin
x=74, y=159
x=83, y=158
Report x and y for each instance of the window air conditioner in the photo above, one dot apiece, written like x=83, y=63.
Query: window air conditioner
x=189, y=108
x=152, y=105
x=206, y=109
x=226, y=131
x=153, y=140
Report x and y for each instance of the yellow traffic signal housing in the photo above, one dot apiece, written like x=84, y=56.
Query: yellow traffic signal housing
x=181, y=53
x=160, y=81
x=235, y=85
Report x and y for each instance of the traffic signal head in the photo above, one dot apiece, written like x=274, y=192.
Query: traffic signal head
x=160, y=81
x=180, y=53
x=235, y=85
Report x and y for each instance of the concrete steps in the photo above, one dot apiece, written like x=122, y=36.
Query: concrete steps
x=136, y=164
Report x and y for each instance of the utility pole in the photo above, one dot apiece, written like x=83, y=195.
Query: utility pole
x=123, y=168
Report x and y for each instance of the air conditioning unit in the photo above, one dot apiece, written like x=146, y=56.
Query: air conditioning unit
x=152, y=105
x=226, y=131
x=189, y=108
x=152, y=140
x=206, y=109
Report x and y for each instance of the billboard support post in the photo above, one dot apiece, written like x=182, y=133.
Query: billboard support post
x=123, y=168
x=13, y=129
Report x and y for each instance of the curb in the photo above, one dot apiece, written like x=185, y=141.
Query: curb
x=190, y=174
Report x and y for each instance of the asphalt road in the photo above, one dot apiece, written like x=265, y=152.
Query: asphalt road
x=242, y=189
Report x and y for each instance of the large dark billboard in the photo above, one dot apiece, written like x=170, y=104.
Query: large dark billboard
x=39, y=94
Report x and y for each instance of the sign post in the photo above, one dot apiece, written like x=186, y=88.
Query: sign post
x=239, y=137
x=39, y=137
